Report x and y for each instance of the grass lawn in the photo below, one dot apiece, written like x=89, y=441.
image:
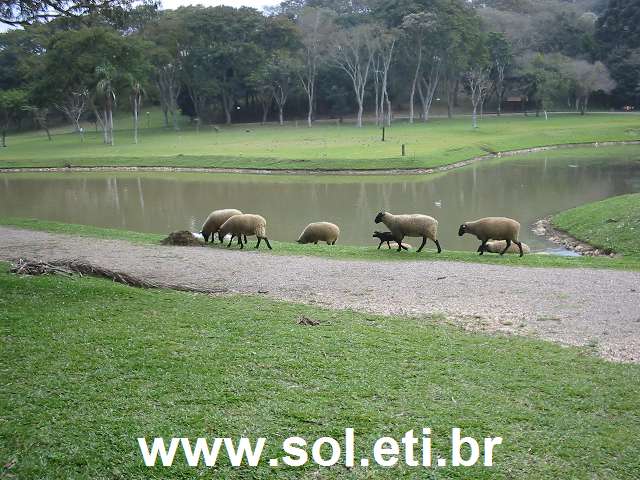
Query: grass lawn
x=631, y=262
x=89, y=365
x=327, y=146
x=613, y=223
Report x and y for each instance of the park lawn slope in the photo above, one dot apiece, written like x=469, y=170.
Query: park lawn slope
x=611, y=224
x=325, y=146
x=342, y=252
x=90, y=365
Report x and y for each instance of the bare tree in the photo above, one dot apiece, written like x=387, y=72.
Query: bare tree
x=316, y=25
x=588, y=78
x=384, y=43
x=105, y=89
x=478, y=82
x=73, y=106
x=39, y=118
x=428, y=84
x=168, y=83
x=417, y=28
x=353, y=52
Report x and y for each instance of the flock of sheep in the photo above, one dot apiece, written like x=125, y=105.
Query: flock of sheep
x=503, y=231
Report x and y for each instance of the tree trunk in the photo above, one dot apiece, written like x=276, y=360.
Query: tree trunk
x=310, y=112
x=135, y=120
x=4, y=137
x=281, y=115
x=360, y=112
x=412, y=94
x=474, y=117
x=111, y=126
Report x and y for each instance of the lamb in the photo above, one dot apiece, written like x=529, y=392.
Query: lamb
x=493, y=228
x=215, y=220
x=499, y=245
x=320, y=232
x=415, y=225
x=388, y=238
x=245, y=224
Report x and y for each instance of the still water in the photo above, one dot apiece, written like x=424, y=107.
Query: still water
x=525, y=189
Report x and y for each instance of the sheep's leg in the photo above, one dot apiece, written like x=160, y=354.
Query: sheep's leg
x=424, y=240
x=520, y=247
x=400, y=243
x=404, y=248
x=259, y=240
x=506, y=248
x=380, y=244
x=231, y=240
x=240, y=241
x=438, y=245
x=482, y=247
x=334, y=242
x=267, y=242
x=388, y=245
x=245, y=239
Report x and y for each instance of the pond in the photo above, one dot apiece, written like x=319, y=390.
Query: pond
x=526, y=188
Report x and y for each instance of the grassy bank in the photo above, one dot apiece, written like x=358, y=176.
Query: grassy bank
x=612, y=224
x=89, y=366
x=328, y=146
x=344, y=251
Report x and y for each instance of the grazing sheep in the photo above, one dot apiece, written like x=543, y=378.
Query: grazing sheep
x=245, y=224
x=415, y=225
x=320, y=232
x=215, y=220
x=388, y=238
x=493, y=228
x=498, y=245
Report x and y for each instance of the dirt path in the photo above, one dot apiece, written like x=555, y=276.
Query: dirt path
x=600, y=308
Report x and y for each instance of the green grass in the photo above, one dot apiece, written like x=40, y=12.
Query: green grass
x=346, y=252
x=612, y=224
x=88, y=366
x=325, y=146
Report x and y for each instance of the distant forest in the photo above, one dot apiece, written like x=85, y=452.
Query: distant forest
x=317, y=58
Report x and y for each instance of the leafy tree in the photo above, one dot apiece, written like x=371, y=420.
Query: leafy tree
x=501, y=58
x=12, y=103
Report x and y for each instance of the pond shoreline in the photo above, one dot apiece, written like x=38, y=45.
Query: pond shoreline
x=317, y=171
x=545, y=228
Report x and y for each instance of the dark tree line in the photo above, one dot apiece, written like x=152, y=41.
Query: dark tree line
x=315, y=57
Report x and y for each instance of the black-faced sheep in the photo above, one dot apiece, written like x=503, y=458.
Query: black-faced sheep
x=386, y=237
x=493, y=228
x=415, y=225
x=245, y=224
x=215, y=220
x=320, y=232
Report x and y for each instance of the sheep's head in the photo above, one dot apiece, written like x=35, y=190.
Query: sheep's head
x=380, y=216
x=462, y=230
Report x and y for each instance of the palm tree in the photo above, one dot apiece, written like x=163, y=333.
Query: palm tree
x=137, y=93
x=104, y=88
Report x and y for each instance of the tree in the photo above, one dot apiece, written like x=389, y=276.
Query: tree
x=137, y=93
x=500, y=54
x=545, y=79
x=73, y=105
x=419, y=36
x=105, y=89
x=478, y=82
x=316, y=28
x=39, y=115
x=588, y=78
x=25, y=12
x=353, y=52
x=383, y=43
x=12, y=103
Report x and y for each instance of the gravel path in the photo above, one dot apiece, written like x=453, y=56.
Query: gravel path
x=600, y=308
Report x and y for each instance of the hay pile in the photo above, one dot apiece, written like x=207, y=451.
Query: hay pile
x=182, y=238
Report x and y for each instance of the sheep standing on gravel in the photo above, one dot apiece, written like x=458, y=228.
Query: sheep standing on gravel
x=415, y=225
x=245, y=224
x=493, y=228
x=498, y=246
x=320, y=232
x=215, y=220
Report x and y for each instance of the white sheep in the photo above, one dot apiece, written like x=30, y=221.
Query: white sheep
x=320, y=232
x=498, y=246
x=415, y=225
x=493, y=228
x=215, y=220
x=245, y=224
